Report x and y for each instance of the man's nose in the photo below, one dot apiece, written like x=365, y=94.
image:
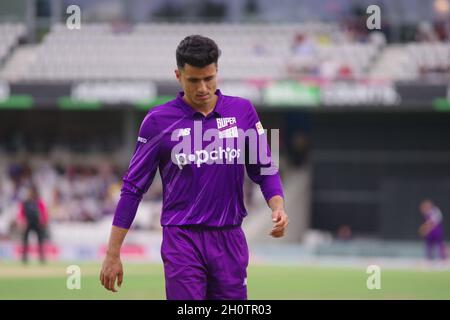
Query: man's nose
x=202, y=86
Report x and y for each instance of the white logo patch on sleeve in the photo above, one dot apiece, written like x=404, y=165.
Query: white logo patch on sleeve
x=259, y=128
x=143, y=140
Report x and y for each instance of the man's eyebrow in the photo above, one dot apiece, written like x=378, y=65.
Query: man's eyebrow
x=193, y=78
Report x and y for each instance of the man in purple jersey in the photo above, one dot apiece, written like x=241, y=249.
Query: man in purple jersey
x=204, y=249
x=432, y=229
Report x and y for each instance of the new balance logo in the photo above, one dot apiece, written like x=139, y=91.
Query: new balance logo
x=184, y=132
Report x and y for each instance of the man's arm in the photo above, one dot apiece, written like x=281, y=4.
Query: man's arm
x=270, y=181
x=425, y=228
x=137, y=180
x=112, y=265
x=279, y=216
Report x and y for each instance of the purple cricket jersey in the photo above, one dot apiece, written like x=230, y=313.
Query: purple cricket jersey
x=196, y=193
x=437, y=233
x=435, y=238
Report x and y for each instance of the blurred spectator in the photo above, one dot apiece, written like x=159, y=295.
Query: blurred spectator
x=425, y=32
x=442, y=29
x=441, y=8
x=33, y=217
x=83, y=193
x=303, y=58
x=432, y=229
x=345, y=72
x=302, y=45
x=344, y=233
x=299, y=148
x=329, y=68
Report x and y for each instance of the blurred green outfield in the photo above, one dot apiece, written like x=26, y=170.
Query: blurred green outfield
x=146, y=281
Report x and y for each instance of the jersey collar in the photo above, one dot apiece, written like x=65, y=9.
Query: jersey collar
x=194, y=113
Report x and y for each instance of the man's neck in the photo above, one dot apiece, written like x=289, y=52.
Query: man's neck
x=206, y=109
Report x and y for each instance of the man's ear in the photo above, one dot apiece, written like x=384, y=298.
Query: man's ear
x=177, y=74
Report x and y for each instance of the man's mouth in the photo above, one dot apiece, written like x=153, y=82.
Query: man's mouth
x=203, y=97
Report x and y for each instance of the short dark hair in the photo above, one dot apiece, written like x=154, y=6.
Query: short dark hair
x=198, y=51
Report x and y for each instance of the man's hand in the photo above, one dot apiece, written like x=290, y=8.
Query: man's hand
x=111, y=270
x=425, y=228
x=422, y=232
x=280, y=220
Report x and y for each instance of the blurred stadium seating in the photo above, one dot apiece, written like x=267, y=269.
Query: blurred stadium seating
x=9, y=38
x=101, y=52
x=145, y=52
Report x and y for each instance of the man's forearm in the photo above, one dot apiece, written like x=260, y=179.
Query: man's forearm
x=276, y=203
x=116, y=239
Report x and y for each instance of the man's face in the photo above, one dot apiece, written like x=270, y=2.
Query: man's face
x=199, y=84
x=425, y=206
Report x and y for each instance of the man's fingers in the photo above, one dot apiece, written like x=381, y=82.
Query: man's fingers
x=282, y=223
x=276, y=216
x=108, y=282
x=112, y=281
x=279, y=228
x=277, y=234
x=119, y=279
x=105, y=282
